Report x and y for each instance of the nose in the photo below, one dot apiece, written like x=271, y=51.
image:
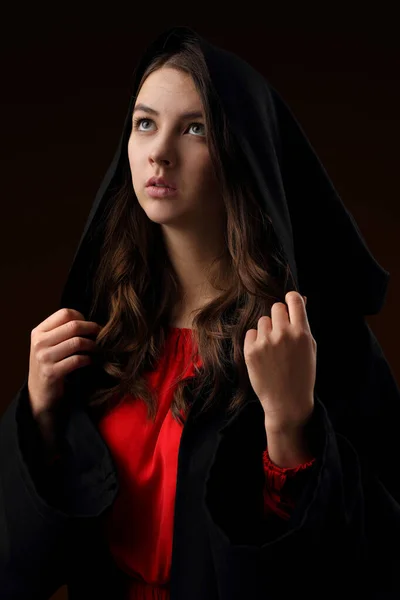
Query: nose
x=162, y=153
x=154, y=158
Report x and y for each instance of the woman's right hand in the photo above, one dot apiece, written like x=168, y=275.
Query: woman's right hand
x=55, y=346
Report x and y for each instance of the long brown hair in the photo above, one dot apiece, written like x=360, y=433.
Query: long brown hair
x=137, y=288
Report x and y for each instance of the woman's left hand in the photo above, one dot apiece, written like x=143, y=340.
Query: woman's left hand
x=281, y=362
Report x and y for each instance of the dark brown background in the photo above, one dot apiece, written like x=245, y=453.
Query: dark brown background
x=65, y=90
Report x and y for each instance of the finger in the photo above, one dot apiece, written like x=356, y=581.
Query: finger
x=279, y=316
x=59, y=318
x=296, y=309
x=264, y=327
x=66, y=349
x=86, y=329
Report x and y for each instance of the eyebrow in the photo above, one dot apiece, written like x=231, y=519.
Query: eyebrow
x=194, y=114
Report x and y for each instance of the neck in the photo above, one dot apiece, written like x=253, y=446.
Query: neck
x=198, y=259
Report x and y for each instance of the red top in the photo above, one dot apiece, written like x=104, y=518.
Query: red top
x=139, y=525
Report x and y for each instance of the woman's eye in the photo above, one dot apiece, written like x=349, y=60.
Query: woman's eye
x=197, y=125
x=143, y=124
x=140, y=122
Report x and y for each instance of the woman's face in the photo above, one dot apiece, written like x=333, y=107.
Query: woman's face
x=168, y=142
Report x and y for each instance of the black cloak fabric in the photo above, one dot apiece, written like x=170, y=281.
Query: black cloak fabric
x=342, y=537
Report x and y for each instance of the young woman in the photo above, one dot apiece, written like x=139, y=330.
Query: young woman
x=176, y=436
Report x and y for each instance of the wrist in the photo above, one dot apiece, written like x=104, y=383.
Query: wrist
x=288, y=449
x=49, y=425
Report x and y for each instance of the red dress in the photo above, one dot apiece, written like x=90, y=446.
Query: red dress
x=139, y=526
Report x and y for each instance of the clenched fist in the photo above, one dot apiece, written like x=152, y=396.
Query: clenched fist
x=281, y=362
x=56, y=344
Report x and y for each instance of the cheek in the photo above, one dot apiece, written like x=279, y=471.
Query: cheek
x=202, y=168
x=131, y=154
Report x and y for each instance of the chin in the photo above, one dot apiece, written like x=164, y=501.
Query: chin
x=160, y=216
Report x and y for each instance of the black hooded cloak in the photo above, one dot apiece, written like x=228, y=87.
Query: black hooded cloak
x=342, y=536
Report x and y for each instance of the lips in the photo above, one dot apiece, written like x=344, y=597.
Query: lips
x=160, y=181
x=155, y=191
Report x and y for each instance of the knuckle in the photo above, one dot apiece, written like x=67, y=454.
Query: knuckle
x=302, y=336
x=279, y=334
x=75, y=343
x=73, y=327
x=48, y=372
x=35, y=345
x=41, y=356
x=277, y=339
x=76, y=360
x=68, y=313
x=251, y=353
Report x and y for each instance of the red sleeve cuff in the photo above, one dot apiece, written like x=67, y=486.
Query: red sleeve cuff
x=275, y=477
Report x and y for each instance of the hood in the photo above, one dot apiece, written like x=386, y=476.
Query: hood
x=323, y=245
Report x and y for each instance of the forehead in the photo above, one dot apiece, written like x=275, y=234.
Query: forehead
x=168, y=86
